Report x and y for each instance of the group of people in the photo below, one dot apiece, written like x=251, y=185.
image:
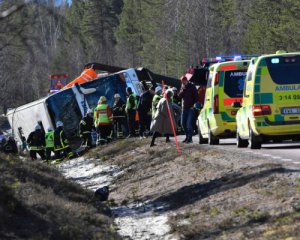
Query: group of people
x=44, y=144
x=155, y=113
x=151, y=114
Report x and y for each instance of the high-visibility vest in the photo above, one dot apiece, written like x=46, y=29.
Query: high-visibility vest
x=103, y=117
x=128, y=103
x=87, y=75
x=155, y=101
x=49, y=139
x=60, y=142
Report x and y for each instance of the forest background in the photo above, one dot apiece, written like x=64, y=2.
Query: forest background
x=41, y=37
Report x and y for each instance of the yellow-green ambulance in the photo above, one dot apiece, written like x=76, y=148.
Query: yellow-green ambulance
x=271, y=100
x=224, y=87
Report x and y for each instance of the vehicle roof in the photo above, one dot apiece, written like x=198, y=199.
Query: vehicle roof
x=216, y=66
x=278, y=54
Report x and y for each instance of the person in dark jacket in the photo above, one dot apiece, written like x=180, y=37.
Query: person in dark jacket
x=36, y=143
x=119, y=116
x=86, y=126
x=10, y=145
x=62, y=147
x=144, y=110
x=189, y=96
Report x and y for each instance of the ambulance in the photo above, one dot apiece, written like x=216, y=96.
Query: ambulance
x=224, y=87
x=271, y=101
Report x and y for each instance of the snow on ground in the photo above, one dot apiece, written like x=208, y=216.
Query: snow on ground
x=139, y=221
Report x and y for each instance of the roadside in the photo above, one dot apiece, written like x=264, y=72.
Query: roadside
x=206, y=193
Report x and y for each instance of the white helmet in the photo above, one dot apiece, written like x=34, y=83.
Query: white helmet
x=158, y=90
x=50, y=129
x=89, y=111
x=117, y=95
x=38, y=127
x=59, y=124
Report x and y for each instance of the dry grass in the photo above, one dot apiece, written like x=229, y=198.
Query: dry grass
x=36, y=202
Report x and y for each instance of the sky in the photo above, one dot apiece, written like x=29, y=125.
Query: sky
x=57, y=2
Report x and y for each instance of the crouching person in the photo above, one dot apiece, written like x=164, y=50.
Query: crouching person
x=61, y=144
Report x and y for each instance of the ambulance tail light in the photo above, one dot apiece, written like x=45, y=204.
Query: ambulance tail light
x=217, y=79
x=216, y=104
x=261, y=110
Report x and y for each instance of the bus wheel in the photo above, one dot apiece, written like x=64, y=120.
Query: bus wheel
x=241, y=143
x=254, y=141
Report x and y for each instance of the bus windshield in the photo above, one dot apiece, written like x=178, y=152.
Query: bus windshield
x=63, y=106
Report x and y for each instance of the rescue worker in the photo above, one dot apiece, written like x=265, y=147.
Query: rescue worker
x=36, y=143
x=155, y=100
x=119, y=116
x=49, y=139
x=131, y=106
x=189, y=96
x=61, y=144
x=144, y=110
x=103, y=119
x=86, y=126
x=9, y=145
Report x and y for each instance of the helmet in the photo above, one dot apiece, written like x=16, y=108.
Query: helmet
x=174, y=89
x=158, y=90
x=117, y=95
x=89, y=111
x=38, y=127
x=59, y=124
x=169, y=93
x=50, y=129
x=102, y=99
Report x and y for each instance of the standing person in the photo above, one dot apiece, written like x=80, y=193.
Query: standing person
x=130, y=109
x=155, y=100
x=161, y=123
x=144, y=110
x=119, y=116
x=103, y=118
x=49, y=139
x=189, y=96
x=62, y=147
x=86, y=126
x=36, y=143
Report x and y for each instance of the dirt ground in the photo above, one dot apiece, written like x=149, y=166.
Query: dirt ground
x=205, y=193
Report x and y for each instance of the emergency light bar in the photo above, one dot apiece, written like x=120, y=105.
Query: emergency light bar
x=228, y=58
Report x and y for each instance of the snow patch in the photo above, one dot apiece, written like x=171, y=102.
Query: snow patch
x=138, y=221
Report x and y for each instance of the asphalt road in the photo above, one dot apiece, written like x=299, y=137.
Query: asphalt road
x=287, y=151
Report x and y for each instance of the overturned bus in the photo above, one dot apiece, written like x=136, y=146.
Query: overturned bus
x=70, y=105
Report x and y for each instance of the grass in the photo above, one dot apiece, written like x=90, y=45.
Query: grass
x=36, y=202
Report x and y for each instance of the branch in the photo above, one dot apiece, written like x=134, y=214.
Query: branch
x=13, y=9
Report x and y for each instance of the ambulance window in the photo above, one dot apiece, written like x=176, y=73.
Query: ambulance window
x=284, y=69
x=234, y=83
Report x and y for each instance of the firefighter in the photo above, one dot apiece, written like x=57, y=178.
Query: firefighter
x=103, y=119
x=119, y=116
x=131, y=106
x=49, y=139
x=86, y=126
x=61, y=144
x=36, y=143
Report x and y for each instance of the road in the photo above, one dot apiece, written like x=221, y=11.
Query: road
x=283, y=152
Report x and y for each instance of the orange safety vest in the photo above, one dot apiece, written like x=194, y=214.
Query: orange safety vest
x=87, y=75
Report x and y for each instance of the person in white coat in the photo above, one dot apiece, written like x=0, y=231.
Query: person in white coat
x=161, y=124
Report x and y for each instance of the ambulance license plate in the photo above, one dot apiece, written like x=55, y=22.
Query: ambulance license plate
x=290, y=110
